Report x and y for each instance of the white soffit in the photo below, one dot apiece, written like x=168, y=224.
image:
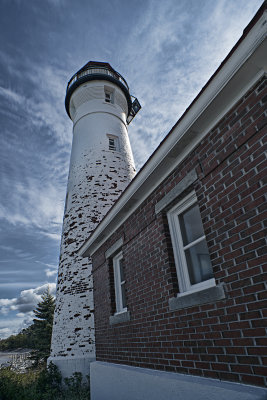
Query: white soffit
x=245, y=67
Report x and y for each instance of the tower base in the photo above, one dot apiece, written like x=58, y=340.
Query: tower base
x=69, y=365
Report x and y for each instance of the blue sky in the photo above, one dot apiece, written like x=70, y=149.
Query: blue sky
x=166, y=50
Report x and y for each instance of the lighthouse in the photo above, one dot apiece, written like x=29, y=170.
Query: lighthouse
x=99, y=103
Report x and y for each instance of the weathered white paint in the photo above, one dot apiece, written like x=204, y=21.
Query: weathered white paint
x=97, y=176
x=120, y=382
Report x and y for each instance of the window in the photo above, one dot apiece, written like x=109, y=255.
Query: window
x=119, y=280
x=109, y=95
x=191, y=254
x=113, y=143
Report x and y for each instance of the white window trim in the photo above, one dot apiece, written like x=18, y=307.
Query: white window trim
x=117, y=281
x=114, y=248
x=178, y=249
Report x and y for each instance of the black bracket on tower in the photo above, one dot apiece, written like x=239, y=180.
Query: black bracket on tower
x=136, y=106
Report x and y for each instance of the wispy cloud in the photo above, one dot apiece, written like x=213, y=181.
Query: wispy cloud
x=35, y=199
x=34, y=204
x=45, y=106
x=11, y=95
x=51, y=270
x=16, y=252
x=177, y=53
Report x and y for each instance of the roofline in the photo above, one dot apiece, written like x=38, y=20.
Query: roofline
x=193, y=125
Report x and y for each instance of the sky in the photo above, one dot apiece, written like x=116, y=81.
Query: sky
x=166, y=51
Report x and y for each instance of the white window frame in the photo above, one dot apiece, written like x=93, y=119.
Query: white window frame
x=179, y=249
x=118, y=283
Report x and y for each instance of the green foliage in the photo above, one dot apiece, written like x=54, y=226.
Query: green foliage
x=75, y=388
x=14, y=342
x=49, y=383
x=24, y=339
x=42, y=327
x=17, y=386
x=41, y=384
x=38, y=335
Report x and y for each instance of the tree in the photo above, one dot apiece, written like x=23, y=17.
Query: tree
x=13, y=342
x=23, y=339
x=42, y=327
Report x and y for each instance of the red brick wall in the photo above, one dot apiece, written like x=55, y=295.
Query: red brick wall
x=226, y=339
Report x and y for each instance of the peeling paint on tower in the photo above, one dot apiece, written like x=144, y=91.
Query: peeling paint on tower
x=101, y=167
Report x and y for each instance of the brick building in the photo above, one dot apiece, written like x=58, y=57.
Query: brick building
x=178, y=262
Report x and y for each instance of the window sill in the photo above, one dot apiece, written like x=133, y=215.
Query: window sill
x=209, y=295
x=119, y=318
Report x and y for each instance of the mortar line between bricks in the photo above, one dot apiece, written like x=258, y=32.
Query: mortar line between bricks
x=234, y=151
x=128, y=241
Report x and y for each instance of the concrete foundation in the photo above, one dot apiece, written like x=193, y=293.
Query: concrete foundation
x=121, y=382
x=69, y=365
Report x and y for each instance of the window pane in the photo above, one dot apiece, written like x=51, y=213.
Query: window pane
x=191, y=225
x=198, y=262
x=108, y=96
x=112, y=144
x=123, y=295
x=121, y=270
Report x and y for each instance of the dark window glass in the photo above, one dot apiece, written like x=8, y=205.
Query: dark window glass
x=198, y=263
x=191, y=225
x=123, y=295
x=112, y=145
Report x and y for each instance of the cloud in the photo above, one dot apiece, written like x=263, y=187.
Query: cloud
x=54, y=236
x=7, y=302
x=51, y=270
x=23, y=305
x=11, y=95
x=5, y=332
x=17, y=253
x=33, y=204
x=12, y=326
x=46, y=108
x=26, y=301
x=38, y=178
x=177, y=53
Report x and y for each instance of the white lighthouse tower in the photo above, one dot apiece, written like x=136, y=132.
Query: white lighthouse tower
x=99, y=103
